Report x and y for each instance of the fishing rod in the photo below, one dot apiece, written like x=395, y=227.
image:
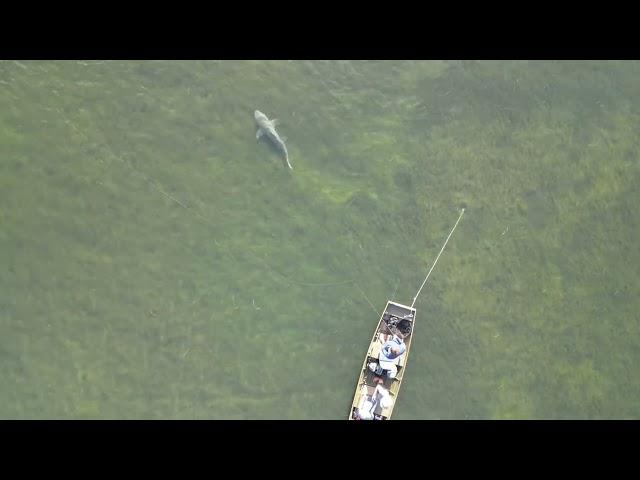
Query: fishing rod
x=436, y=260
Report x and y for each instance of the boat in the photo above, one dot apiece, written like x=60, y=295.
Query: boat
x=398, y=320
x=385, y=362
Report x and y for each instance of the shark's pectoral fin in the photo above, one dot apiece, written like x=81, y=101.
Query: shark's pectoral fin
x=259, y=133
x=275, y=122
x=283, y=138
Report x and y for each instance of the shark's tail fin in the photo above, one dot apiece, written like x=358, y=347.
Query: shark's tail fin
x=286, y=155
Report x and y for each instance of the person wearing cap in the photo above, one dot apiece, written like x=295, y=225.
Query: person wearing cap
x=389, y=353
x=380, y=397
x=392, y=349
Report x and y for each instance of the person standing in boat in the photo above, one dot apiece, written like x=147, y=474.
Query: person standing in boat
x=389, y=353
x=366, y=410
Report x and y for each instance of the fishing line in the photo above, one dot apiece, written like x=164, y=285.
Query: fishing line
x=436, y=260
x=366, y=298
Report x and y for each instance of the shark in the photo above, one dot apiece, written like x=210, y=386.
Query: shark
x=268, y=128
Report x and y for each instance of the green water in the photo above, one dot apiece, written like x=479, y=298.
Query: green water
x=157, y=262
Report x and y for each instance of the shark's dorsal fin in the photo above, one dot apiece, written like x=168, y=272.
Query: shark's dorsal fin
x=259, y=133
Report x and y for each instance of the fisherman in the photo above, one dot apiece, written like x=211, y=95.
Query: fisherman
x=389, y=353
x=366, y=410
x=392, y=349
